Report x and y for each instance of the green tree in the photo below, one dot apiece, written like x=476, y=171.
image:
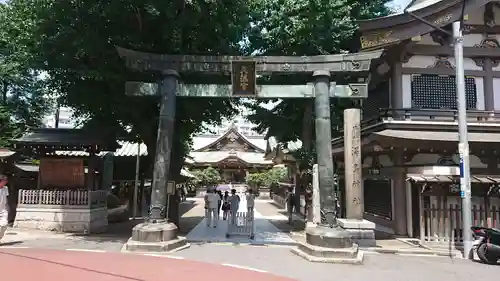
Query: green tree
x=208, y=176
x=74, y=42
x=272, y=176
x=276, y=175
x=23, y=102
x=256, y=180
x=298, y=28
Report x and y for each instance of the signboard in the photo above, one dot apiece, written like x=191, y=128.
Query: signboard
x=56, y=172
x=243, y=78
x=107, y=174
x=171, y=187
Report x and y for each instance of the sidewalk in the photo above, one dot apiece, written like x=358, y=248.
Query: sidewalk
x=399, y=246
x=265, y=232
x=278, y=216
x=192, y=213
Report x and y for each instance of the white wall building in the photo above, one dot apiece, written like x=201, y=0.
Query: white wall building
x=66, y=119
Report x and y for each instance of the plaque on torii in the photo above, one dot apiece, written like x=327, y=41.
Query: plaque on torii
x=247, y=70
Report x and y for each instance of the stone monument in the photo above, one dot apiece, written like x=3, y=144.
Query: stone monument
x=361, y=230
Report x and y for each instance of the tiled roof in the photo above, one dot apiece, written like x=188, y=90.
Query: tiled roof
x=258, y=143
x=205, y=140
x=33, y=167
x=127, y=149
x=4, y=153
x=74, y=137
x=217, y=156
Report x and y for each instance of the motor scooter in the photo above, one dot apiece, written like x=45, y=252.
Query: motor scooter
x=486, y=244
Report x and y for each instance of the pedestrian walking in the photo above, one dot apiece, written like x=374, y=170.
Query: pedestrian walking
x=290, y=203
x=4, y=208
x=211, y=207
x=250, y=197
x=234, y=205
x=219, y=205
x=308, y=213
x=225, y=205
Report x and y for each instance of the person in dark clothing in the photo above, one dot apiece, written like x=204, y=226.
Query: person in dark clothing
x=219, y=193
x=225, y=205
x=290, y=203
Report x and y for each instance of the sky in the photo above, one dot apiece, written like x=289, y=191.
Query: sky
x=398, y=4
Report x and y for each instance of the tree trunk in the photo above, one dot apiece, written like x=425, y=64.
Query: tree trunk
x=4, y=92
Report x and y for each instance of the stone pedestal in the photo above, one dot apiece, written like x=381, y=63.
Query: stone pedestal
x=362, y=232
x=328, y=245
x=155, y=237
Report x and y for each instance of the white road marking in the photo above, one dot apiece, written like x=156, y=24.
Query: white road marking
x=244, y=267
x=86, y=250
x=371, y=253
x=164, y=256
x=422, y=255
x=13, y=247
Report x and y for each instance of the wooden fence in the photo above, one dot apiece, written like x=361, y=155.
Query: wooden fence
x=63, y=198
x=444, y=224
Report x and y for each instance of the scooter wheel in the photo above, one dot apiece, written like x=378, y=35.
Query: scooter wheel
x=482, y=253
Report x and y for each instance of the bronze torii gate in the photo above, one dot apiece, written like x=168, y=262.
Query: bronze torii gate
x=242, y=72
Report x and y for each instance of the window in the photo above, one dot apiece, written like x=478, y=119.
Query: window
x=439, y=92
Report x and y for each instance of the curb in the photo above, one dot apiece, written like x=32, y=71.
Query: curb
x=254, y=244
x=419, y=253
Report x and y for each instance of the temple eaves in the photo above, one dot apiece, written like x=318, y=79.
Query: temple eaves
x=385, y=31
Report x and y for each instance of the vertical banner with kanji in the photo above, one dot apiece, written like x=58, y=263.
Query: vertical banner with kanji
x=243, y=78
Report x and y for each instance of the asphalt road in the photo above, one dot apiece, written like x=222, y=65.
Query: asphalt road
x=377, y=267
x=280, y=261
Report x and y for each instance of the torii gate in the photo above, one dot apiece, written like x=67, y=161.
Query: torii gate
x=240, y=75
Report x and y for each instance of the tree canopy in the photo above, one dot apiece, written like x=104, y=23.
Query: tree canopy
x=23, y=93
x=73, y=42
x=298, y=28
x=267, y=178
x=207, y=176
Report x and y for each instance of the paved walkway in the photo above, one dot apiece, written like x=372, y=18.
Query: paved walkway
x=265, y=232
x=84, y=266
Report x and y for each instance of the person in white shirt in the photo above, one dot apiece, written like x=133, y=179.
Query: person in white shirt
x=250, y=197
x=212, y=205
x=4, y=213
x=234, y=205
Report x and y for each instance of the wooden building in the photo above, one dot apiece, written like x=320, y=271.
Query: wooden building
x=409, y=128
x=231, y=153
x=69, y=197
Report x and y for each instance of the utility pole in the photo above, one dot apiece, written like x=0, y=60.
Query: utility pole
x=463, y=140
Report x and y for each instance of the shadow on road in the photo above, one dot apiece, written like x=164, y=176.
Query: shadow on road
x=10, y=243
x=121, y=231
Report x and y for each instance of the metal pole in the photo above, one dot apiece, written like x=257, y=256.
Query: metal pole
x=463, y=142
x=136, y=185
